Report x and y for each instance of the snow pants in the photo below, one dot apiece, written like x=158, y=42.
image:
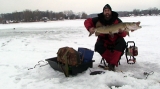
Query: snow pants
x=111, y=52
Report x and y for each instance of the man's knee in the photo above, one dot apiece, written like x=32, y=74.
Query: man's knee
x=99, y=47
x=121, y=41
x=120, y=44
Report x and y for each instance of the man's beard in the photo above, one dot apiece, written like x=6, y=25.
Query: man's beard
x=107, y=16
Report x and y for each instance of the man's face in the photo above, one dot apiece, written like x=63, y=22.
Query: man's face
x=107, y=13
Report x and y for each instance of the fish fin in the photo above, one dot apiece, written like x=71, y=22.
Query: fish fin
x=110, y=33
x=127, y=33
x=96, y=33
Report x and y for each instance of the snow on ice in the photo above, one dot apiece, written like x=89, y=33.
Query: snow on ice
x=21, y=48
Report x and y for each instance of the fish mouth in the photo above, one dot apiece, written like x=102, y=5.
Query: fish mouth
x=138, y=23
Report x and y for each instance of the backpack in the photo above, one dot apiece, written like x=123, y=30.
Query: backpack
x=68, y=55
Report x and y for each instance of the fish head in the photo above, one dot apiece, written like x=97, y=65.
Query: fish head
x=133, y=25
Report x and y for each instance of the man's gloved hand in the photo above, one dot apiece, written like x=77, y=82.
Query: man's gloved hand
x=91, y=30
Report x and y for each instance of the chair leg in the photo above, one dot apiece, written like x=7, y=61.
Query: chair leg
x=104, y=66
x=119, y=62
x=104, y=62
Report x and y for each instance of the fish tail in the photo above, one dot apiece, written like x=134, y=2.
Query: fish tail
x=90, y=34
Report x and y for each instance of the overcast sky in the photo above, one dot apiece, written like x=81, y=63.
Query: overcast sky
x=87, y=6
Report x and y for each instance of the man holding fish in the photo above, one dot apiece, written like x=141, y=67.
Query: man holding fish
x=110, y=42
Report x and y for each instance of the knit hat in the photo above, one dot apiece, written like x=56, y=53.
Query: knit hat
x=107, y=6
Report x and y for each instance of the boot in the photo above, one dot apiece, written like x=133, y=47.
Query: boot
x=111, y=67
x=115, y=57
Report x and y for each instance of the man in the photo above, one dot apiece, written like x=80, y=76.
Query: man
x=110, y=47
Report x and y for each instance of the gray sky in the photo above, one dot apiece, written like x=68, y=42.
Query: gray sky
x=88, y=6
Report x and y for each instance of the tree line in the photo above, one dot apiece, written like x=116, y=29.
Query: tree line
x=138, y=12
x=34, y=16
x=135, y=12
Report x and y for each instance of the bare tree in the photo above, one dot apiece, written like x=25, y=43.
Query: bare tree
x=84, y=15
x=136, y=12
x=28, y=17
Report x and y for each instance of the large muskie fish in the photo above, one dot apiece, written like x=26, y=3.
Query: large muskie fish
x=124, y=26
